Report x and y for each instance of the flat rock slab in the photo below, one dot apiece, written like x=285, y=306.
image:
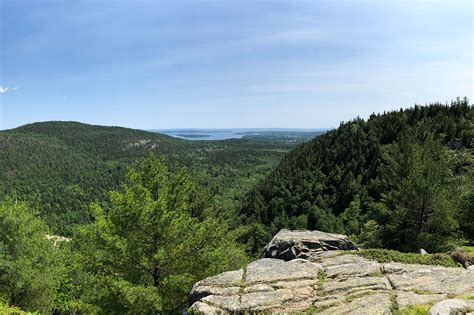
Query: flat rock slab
x=346, y=266
x=224, y=284
x=409, y=298
x=353, y=285
x=272, y=270
x=431, y=279
x=369, y=304
x=265, y=285
x=340, y=284
x=288, y=245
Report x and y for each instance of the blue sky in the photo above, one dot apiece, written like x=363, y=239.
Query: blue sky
x=215, y=64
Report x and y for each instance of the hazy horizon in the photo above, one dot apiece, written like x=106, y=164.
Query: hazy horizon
x=233, y=64
x=180, y=129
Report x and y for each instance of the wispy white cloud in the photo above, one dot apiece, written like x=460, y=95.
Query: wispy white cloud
x=4, y=89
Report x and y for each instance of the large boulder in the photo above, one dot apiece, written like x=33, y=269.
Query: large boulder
x=288, y=245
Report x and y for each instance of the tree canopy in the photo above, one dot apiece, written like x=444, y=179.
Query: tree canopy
x=28, y=260
x=159, y=236
x=359, y=178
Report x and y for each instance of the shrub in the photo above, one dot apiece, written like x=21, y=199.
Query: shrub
x=387, y=255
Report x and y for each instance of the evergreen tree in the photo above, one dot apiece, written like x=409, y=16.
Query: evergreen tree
x=351, y=217
x=28, y=260
x=158, y=238
x=419, y=208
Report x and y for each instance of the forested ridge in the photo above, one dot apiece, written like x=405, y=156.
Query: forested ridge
x=60, y=167
x=368, y=178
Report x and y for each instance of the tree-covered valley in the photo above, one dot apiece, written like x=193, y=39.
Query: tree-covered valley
x=60, y=167
x=97, y=220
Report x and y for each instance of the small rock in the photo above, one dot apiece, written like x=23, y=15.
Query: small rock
x=423, y=252
x=203, y=308
x=452, y=306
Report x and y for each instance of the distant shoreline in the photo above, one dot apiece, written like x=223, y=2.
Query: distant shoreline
x=251, y=133
x=192, y=135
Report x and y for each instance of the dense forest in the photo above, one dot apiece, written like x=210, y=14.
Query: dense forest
x=60, y=167
x=401, y=180
x=97, y=220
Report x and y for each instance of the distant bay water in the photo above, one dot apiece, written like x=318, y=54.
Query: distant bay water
x=223, y=134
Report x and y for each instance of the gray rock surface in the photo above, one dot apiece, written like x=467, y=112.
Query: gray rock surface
x=266, y=284
x=409, y=298
x=433, y=279
x=288, y=245
x=369, y=304
x=452, y=306
x=331, y=282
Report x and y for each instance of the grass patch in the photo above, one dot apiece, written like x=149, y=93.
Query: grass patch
x=469, y=250
x=423, y=292
x=387, y=255
x=313, y=309
x=321, y=278
x=393, y=302
x=419, y=309
x=460, y=296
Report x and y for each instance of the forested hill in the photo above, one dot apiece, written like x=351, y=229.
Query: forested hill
x=105, y=142
x=60, y=167
x=402, y=179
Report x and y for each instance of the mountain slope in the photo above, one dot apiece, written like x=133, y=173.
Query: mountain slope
x=62, y=166
x=331, y=182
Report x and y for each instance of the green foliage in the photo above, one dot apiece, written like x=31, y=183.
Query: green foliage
x=28, y=277
x=403, y=180
x=6, y=309
x=60, y=167
x=422, y=202
x=342, y=180
x=418, y=309
x=466, y=220
x=159, y=237
x=351, y=218
x=387, y=255
x=469, y=250
x=370, y=236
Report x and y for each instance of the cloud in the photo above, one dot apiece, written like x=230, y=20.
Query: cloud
x=4, y=89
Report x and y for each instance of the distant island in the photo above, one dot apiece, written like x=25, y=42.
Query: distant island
x=184, y=135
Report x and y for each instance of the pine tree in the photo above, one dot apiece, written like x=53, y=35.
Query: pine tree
x=158, y=238
x=423, y=198
x=28, y=260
